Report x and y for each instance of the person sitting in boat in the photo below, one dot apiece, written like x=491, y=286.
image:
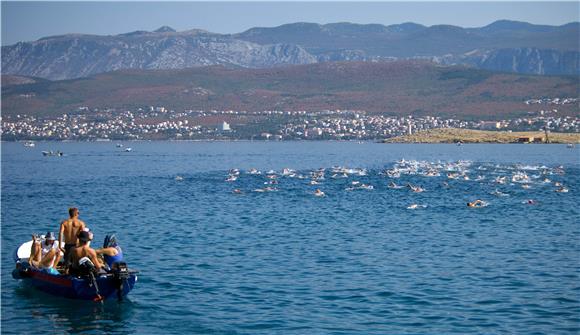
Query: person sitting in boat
x=111, y=251
x=69, y=229
x=45, y=254
x=82, y=250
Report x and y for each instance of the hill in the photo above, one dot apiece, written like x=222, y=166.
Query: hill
x=10, y=80
x=501, y=46
x=397, y=88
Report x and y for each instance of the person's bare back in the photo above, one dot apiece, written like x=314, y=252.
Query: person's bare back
x=69, y=230
x=82, y=250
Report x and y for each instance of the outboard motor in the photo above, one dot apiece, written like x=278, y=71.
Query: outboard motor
x=120, y=273
x=86, y=266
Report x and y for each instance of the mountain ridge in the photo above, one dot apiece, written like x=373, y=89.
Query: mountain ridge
x=79, y=55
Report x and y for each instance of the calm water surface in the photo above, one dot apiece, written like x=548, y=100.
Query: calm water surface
x=353, y=262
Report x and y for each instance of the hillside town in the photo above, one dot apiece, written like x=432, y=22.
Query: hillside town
x=159, y=122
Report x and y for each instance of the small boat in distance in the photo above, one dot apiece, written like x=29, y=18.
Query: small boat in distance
x=128, y=149
x=29, y=144
x=57, y=153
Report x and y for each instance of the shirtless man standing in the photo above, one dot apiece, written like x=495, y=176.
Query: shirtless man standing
x=69, y=229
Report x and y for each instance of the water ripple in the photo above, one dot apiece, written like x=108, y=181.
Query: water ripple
x=353, y=262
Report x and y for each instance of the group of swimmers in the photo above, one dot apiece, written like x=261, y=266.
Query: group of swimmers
x=455, y=170
x=74, y=244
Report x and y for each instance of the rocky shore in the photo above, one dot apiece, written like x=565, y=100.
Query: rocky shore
x=453, y=135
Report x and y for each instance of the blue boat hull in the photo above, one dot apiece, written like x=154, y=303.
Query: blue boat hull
x=74, y=287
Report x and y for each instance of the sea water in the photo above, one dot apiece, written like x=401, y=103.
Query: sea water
x=356, y=261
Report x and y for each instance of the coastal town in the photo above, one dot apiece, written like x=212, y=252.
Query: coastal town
x=162, y=123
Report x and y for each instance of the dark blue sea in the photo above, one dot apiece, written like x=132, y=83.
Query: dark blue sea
x=355, y=261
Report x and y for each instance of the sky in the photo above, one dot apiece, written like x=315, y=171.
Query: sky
x=27, y=21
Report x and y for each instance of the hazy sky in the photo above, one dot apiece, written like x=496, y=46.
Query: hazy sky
x=26, y=21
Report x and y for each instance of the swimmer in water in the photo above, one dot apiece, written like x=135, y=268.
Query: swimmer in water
x=476, y=203
x=318, y=193
x=416, y=189
x=237, y=191
x=499, y=194
x=531, y=202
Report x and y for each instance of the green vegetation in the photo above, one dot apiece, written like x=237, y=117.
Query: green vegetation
x=472, y=76
x=384, y=88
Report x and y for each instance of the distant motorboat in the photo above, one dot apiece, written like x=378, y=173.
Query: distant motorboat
x=128, y=149
x=119, y=145
x=570, y=146
x=29, y=144
x=57, y=153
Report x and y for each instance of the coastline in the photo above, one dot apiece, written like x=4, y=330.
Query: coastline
x=454, y=135
x=430, y=136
